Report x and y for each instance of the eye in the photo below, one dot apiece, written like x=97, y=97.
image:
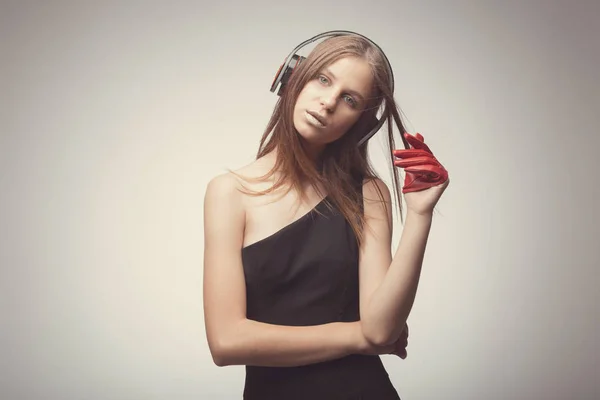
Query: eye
x=350, y=101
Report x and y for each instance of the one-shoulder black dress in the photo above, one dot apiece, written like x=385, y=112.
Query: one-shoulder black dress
x=307, y=274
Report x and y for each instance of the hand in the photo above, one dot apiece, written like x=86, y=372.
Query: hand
x=402, y=343
x=425, y=180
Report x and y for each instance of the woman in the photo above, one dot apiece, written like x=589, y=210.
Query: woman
x=299, y=281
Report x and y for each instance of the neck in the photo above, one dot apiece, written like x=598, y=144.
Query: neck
x=270, y=159
x=314, y=152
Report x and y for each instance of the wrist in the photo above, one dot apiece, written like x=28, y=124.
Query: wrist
x=424, y=216
x=356, y=342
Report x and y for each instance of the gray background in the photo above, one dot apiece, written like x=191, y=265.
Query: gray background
x=114, y=116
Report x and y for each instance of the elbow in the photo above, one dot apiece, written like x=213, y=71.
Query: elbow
x=221, y=353
x=378, y=335
x=380, y=338
x=220, y=362
x=225, y=346
x=218, y=359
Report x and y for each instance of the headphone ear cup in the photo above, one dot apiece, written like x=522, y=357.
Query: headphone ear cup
x=366, y=127
x=274, y=83
x=289, y=70
x=371, y=122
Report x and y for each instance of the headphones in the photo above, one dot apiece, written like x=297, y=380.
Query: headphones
x=293, y=60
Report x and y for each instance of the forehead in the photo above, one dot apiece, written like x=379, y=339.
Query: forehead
x=353, y=73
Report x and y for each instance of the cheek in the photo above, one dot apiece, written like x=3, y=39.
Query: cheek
x=344, y=125
x=298, y=104
x=347, y=120
x=300, y=100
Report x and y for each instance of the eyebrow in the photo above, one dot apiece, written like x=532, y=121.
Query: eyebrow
x=354, y=92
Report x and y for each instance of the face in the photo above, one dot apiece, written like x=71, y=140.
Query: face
x=333, y=101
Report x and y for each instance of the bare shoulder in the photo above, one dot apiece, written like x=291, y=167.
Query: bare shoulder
x=224, y=216
x=228, y=183
x=375, y=190
x=377, y=201
x=230, y=188
x=223, y=189
x=222, y=185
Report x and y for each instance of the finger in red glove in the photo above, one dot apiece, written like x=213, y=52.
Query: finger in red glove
x=422, y=169
x=417, y=141
x=412, y=161
x=409, y=153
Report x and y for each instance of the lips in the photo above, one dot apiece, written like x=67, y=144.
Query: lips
x=318, y=117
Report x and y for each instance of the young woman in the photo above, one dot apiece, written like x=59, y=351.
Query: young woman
x=300, y=285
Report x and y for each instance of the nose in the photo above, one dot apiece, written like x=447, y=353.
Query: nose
x=329, y=100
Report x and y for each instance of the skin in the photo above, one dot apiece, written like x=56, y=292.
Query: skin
x=233, y=220
x=338, y=94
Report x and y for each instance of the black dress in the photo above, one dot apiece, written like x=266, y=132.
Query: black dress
x=307, y=274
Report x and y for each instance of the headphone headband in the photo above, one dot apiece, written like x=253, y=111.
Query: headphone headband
x=286, y=69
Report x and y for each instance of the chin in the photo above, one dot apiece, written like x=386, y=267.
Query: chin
x=311, y=138
x=313, y=135
x=306, y=131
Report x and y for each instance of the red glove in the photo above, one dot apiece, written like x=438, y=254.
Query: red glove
x=422, y=169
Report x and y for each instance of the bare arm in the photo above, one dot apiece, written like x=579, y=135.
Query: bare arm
x=388, y=286
x=232, y=338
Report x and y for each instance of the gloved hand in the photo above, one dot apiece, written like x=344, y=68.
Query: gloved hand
x=422, y=169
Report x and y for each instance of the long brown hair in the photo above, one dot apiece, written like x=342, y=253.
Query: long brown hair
x=342, y=161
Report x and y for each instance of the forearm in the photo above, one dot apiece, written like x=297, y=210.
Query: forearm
x=391, y=302
x=260, y=344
